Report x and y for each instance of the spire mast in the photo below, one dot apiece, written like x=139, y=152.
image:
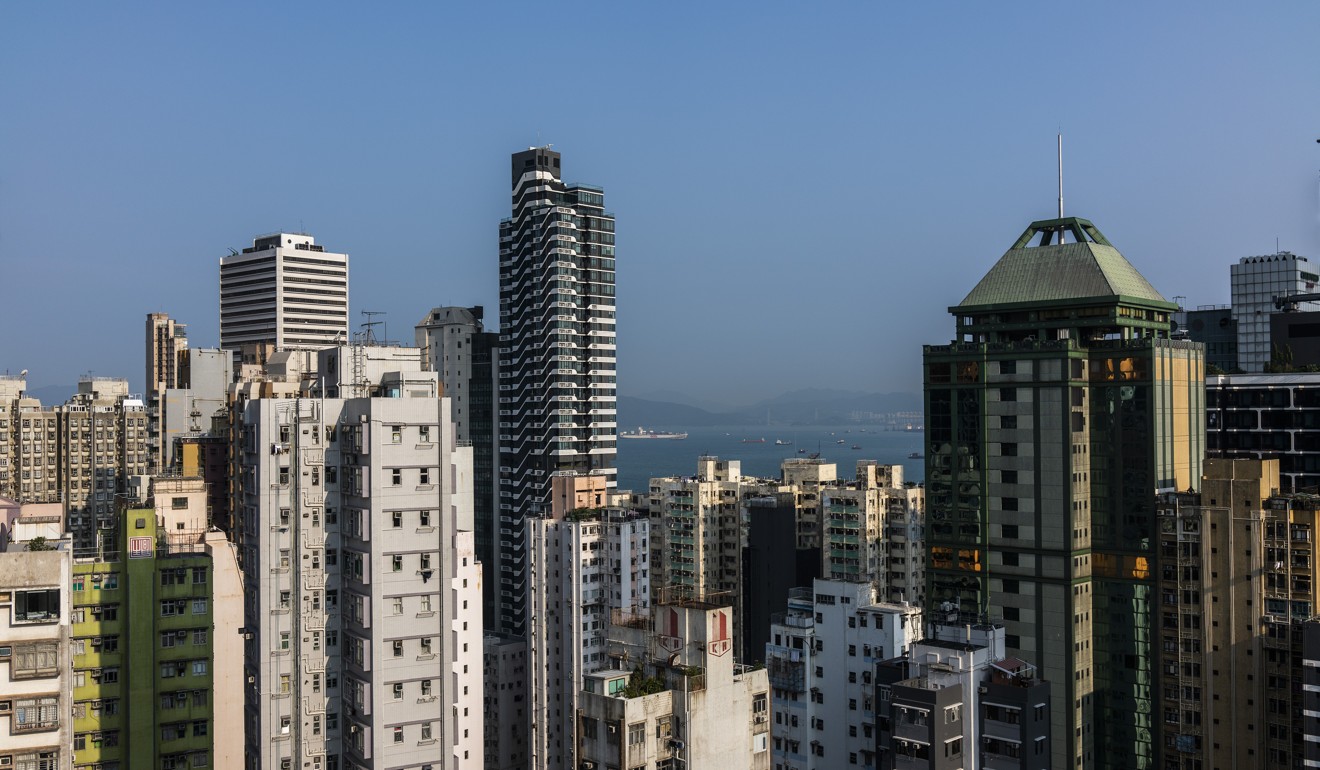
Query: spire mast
x=1060, y=175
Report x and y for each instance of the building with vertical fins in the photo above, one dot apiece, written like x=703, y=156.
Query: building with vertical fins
x=557, y=359
x=1059, y=411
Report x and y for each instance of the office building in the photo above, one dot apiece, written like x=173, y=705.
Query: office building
x=1267, y=416
x=363, y=589
x=1257, y=282
x=557, y=413
x=957, y=700
x=1213, y=326
x=584, y=570
x=36, y=703
x=774, y=564
x=456, y=346
x=285, y=290
x=675, y=696
x=80, y=453
x=506, y=701
x=1052, y=420
x=157, y=640
x=821, y=660
x=1237, y=582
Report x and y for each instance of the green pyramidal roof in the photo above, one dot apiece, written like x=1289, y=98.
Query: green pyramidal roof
x=1051, y=272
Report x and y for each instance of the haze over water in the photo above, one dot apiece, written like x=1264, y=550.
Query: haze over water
x=640, y=460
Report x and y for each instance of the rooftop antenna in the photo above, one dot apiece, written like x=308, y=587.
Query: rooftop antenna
x=369, y=327
x=1060, y=175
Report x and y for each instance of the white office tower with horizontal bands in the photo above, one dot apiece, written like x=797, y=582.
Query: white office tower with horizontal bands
x=557, y=357
x=284, y=290
x=585, y=571
x=1256, y=283
x=363, y=590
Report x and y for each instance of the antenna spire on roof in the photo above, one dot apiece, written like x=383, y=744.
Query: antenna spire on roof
x=1060, y=175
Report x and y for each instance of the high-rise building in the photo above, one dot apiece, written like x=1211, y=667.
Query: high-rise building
x=457, y=347
x=167, y=345
x=80, y=453
x=186, y=410
x=584, y=570
x=284, y=290
x=1237, y=581
x=557, y=412
x=505, y=702
x=1214, y=327
x=821, y=660
x=1052, y=420
x=774, y=565
x=363, y=588
x=36, y=676
x=1268, y=416
x=1257, y=283
x=157, y=639
x=856, y=519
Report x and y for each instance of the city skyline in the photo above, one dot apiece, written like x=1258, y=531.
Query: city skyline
x=145, y=154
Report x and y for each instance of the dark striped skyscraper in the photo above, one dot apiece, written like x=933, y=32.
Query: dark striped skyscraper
x=557, y=355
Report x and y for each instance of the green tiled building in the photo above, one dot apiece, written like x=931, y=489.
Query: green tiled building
x=145, y=643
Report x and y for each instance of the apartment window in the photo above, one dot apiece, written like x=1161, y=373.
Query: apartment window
x=36, y=714
x=199, y=606
x=426, y=687
x=199, y=668
x=396, y=562
x=284, y=640
x=396, y=434
x=426, y=731
x=42, y=606
x=396, y=519
x=424, y=519
x=424, y=476
x=397, y=645
x=398, y=691
x=199, y=576
x=426, y=561
x=637, y=733
x=426, y=603
x=426, y=645
x=398, y=735
x=398, y=605
x=396, y=477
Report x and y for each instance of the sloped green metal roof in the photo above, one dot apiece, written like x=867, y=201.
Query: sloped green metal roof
x=1060, y=272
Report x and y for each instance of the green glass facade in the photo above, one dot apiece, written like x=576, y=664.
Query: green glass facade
x=1051, y=422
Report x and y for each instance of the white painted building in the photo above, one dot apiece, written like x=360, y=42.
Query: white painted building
x=36, y=687
x=363, y=589
x=583, y=571
x=821, y=660
x=284, y=290
x=674, y=697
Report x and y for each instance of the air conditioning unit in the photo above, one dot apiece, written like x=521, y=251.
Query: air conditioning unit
x=983, y=689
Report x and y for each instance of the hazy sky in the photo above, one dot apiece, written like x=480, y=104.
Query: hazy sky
x=802, y=189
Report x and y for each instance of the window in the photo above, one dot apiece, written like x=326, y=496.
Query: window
x=398, y=691
x=199, y=576
x=396, y=519
x=424, y=519
x=396, y=563
x=42, y=606
x=424, y=476
x=636, y=733
x=424, y=433
x=426, y=645
x=426, y=604
x=199, y=606
x=398, y=605
x=396, y=477
x=426, y=731
x=398, y=735
x=426, y=687
x=199, y=668
x=398, y=648
x=36, y=714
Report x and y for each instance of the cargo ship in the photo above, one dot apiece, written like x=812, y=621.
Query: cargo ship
x=644, y=433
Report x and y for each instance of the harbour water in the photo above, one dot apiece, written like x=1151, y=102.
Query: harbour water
x=642, y=459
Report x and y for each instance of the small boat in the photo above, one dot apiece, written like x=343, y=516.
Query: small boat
x=857, y=446
x=802, y=451
x=916, y=456
x=840, y=441
x=781, y=442
x=753, y=441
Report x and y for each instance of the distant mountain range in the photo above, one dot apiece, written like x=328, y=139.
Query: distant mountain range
x=811, y=406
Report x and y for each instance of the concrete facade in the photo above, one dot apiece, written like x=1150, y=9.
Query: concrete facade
x=363, y=588
x=820, y=660
x=585, y=571
x=506, y=702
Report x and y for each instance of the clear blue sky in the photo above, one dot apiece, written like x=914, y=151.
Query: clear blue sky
x=801, y=189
